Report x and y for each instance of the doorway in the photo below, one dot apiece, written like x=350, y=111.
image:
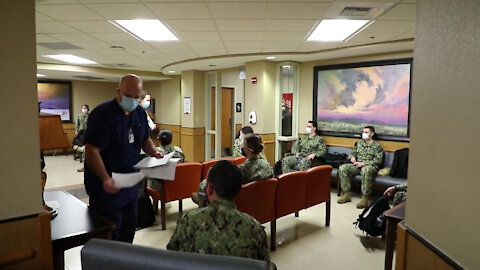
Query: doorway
x=227, y=121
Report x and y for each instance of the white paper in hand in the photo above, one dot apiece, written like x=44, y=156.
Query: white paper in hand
x=150, y=162
x=165, y=172
x=123, y=180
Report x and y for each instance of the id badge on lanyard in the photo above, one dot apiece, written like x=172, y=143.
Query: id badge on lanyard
x=131, y=138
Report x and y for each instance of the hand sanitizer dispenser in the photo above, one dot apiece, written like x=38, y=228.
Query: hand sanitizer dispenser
x=252, y=117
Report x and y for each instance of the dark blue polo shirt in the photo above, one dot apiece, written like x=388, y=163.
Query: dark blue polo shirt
x=108, y=129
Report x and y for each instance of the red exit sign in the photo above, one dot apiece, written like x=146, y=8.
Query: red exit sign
x=254, y=80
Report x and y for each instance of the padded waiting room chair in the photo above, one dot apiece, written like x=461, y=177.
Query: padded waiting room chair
x=186, y=181
x=318, y=188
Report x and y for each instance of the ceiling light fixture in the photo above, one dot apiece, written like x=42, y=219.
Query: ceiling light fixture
x=72, y=59
x=337, y=30
x=171, y=71
x=146, y=30
x=41, y=75
x=270, y=57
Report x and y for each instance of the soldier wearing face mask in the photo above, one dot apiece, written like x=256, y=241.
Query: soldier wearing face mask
x=307, y=148
x=238, y=143
x=82, y=118
x=366, y=158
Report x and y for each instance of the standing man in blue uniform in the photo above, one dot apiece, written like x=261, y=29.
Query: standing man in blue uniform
x=116, y=131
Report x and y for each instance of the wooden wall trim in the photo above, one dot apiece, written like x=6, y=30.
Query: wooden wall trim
x=268, y=140
x=192, y=131
x=415, y=252
x=173, y=128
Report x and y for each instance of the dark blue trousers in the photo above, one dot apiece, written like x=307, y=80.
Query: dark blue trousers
x=124, y=217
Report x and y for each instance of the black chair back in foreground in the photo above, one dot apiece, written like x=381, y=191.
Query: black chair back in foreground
x=98, y=254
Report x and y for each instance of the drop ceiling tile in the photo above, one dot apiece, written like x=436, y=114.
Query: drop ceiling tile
x=190, y=25
x=244, y=50
x=179, y=10
x=93, y=45
x=134, y=44
x=40, y=17
x=168, y=45
x=195, y=36
x=94, y=26
x=73, y=37
x=299, y=36
x=209, y=52
x=69, y=12
x=401, y=12
x=372, y=37
x=46, y=38
x=245, y=36
x=202, y=44
x=290, y=25
x=112, y=37
x=390, y=27
x=123, y=11
x=297, y=10
x=181, y=57
x=106, y=1
x=176, y=51
x=53, y=28
x=50, y=2
x=243, y=44
x=405, y=36
x=280, y=46
x=240, y=25
x=315, y=46
x=238, y=10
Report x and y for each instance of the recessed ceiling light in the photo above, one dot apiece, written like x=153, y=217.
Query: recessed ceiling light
x=212, y=65
x=337, y=30
x=171, y=71
x=146, y=30
x=270, y=57
x=41, y=75
x=72, y=59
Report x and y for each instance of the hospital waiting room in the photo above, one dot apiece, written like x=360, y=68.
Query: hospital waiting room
x=222, y=134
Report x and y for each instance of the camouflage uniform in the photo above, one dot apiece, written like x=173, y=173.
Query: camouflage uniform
x=220, y=229
x=401, y=194
x=305, y=147
x=370, y=154
x=81, y=122
x=255, y=169
x=166, y=149
x=237, y=149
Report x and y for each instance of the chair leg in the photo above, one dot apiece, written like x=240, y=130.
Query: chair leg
x=162, y=205
x=273, y=235
x=296, y=214
x=180, y=208
x=155, y=205
x=327, y=215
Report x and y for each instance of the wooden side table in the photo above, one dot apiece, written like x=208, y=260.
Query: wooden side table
x=394, y=216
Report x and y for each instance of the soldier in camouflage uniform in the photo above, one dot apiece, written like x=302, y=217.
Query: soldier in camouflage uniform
x=219, y=228
x=238, y=143
x=307, y=148
x=400, y=192
x=165, y=138
x=366, y=158
x=255, y=168
x=82, y=118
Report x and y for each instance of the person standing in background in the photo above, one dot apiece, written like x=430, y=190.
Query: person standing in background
x=145, y=103
x=82, y=118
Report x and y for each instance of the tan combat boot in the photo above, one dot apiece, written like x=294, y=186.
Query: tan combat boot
x=346, y=197
x=363, y=202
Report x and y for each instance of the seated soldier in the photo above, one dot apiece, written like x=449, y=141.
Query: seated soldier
x=366, y=158
x=165, y=138
x=400, y=192
x=238, y=143
x=255, y=168
x=219, y=228
x=307, y=148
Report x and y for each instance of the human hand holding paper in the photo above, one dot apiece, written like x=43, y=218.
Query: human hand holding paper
x=123, y=180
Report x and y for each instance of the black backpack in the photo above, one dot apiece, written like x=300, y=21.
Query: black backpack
x=335, y=159
x=374, y=223
x=145, y=214
x=400, y=163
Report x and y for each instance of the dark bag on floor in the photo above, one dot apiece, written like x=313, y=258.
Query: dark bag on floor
x=374, y=223
x=146, y=216
x=400, y=163
x=335, y=159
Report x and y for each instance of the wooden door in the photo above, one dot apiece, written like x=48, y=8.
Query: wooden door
x=227, y=117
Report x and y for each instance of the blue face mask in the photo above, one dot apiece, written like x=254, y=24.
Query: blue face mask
x=146, y=104
x=128, y=104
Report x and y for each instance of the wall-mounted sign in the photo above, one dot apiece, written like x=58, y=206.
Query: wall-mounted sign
x=238, y=107
x=254, y=80
x=186, y=105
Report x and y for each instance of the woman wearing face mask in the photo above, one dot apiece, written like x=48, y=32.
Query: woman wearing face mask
x=255, y=168
x=145, y=103
x=306, y=149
